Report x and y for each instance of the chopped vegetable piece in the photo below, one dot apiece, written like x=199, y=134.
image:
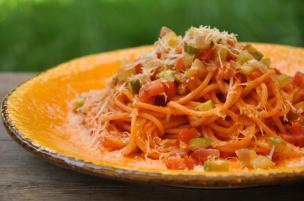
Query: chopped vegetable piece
x=262, y=162
x=135, y=85
x=216, y=165
x=172, y=41
x=245, y=156
x=276, y=141
x=223, y=52
x=138, y=68
x=155, y=72
x=148, y=92
x=186, y=134
x=179, y=163
x=203, y=154
x=197, y=69
x=298, y=78
x=258, y=55
x=247, y=69
x=79, y=102
x=243, y=57
x=254, y=52
x=175, y=164
x=123, y=73
x=295, y=134
x=200, y=142
x=189, y=162
x=191, y=50
x=170, y=89
x=181, y=89
x=188, y=60
x=167, y=75
x=208, y=105
x=296, y=128
x=283, y=80
x=180, y=65
x=206, y=55
x=266, y=61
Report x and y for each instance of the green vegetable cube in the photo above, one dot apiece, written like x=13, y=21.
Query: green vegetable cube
x=216, y=165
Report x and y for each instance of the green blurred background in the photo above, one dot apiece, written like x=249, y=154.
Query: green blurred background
x=38, y=34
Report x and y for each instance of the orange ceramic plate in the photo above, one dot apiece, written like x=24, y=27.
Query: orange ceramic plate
x=35, y=114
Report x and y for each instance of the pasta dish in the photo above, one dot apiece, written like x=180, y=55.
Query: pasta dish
x=201, y=100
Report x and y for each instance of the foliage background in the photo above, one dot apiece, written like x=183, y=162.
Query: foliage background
x=38, y=34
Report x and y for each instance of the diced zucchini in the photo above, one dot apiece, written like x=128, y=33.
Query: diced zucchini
x=254, y=52
x=247, y=69
x=208, y=105
x=216, y=165
x=196, y=68
x=188, y=59
x=200, y=142
x=223, y=52
x=123, y=74
x=190, y=49
x=276, y=141
x=78, y=103
x=258, y=55
x=262, y=162
x=266, y=61
x=135, y=85
x=283, y=80
x=167, y=75
x=243, y=57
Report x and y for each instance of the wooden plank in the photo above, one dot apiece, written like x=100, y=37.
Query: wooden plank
x=26, y=177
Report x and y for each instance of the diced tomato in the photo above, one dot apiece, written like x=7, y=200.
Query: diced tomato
x=138, y=68
x=231, y=56
x=298, y=78
x=206, y=55
x=155, y=72
x=189, y=162
x=297, y=140
x=289, y=138
x=170, y=89
x=180, y=65
x=203, y=154
x=180, y=163
x=149, y=91
x=175, y=163
x=255, y=74
x=295, y=134
x=193, y=83
x=296, y=128
x=186, y=134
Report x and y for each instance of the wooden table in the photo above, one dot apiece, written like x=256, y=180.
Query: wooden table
x=26, y=177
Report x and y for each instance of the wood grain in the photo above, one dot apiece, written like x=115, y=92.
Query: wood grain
x=25, y=177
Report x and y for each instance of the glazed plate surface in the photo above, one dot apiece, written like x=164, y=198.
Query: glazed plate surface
x=36, y=111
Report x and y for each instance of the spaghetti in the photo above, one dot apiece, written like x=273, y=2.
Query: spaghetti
x=199, y=100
